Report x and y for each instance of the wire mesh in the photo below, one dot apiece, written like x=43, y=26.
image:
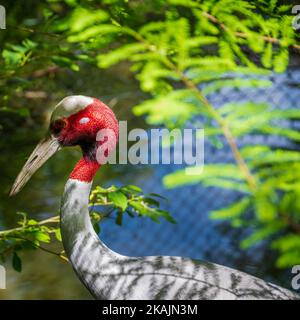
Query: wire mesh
x=195, y=235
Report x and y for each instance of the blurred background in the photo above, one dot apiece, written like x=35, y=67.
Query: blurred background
x=51, y=50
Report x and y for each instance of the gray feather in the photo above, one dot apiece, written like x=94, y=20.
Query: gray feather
x=109, y=275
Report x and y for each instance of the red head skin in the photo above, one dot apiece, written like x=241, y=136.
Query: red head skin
x=70, y=132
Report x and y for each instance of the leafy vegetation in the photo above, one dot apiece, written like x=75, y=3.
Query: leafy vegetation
x=182, y=52
x=32, y=234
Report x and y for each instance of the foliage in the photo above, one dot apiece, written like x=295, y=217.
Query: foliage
x=182, y=52
x=104, y=202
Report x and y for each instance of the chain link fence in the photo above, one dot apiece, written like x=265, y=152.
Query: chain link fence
x=195, y=235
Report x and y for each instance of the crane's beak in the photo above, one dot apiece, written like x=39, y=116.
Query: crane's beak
x=42, y=152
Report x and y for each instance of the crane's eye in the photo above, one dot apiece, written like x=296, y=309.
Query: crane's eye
x=84, y=120
x=57, y=125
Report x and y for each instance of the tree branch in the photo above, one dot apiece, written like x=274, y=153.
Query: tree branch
x=58, y=254
x=242, y=34
x=54, y=219
x=252, y=183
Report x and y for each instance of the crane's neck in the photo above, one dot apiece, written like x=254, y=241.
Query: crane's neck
x=85, y=170
x=74, y=216
x=82, y=245
x=75, y=219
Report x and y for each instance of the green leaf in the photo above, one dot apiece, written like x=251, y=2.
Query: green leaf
x=235, y=210
x=151, y=201
x=254, y=151
x=285, y=132
x=11, y=57
x=119, y=199
x=140, y=207
x=96, y=228
x=275, y=156
x=29, y=45
x=65, y=62
x=42, y=236
x=157, y=196
x=98, y=32
x=16, y=262
x=32, y=222
x=131, y=188
x=82, y=18
x=119, y=218
x=226, y=184
x=123, y=53
x=180, y=177
x=267, y=56
x=281, y=60
x=288, y=259
x=256, y=42
x=234, y=111
x=131, y=215
x=261, y=234
x=166, y=215
x=58, y=235
x=174, y=108
x=265, y=209
x=236, y=83
x=287, y=242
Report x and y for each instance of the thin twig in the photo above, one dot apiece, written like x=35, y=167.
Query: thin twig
x=226, y=131
x=46, y=221
x=242, y=34
x=58, y=254
x=30, y=30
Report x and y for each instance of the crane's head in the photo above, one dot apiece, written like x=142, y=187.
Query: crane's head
x=76, y=120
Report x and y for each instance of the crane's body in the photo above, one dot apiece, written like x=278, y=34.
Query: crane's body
x=105, y=273
x=109, y=275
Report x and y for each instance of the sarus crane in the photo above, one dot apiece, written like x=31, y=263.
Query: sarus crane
x=107, y=274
